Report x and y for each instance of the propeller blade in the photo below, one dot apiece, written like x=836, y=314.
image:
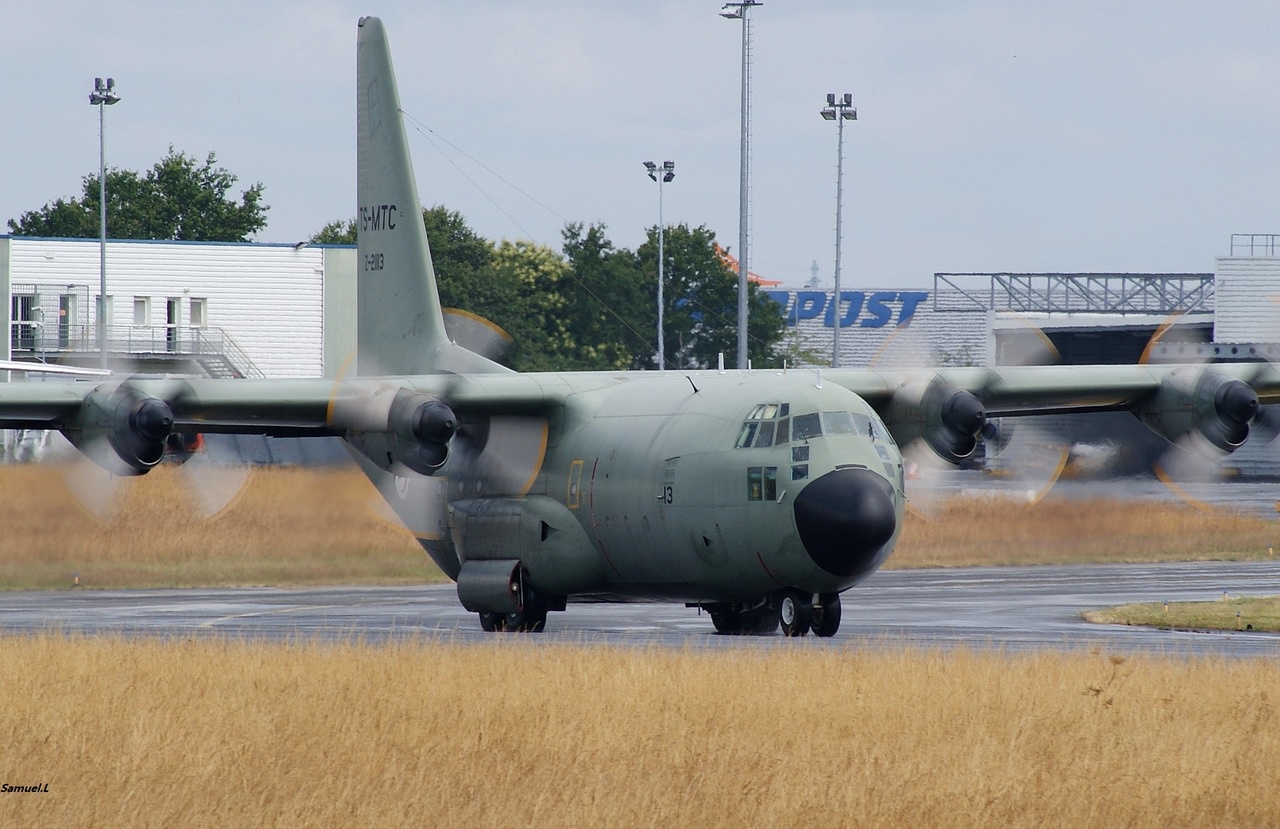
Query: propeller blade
x=1188, y=464
x=212, y=482
x=1028, y=460
x=96, y=490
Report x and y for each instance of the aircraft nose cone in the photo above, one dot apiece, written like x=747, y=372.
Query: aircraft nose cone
x=844, y=518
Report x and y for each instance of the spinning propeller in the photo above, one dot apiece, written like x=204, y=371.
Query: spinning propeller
x=1205, y=414
x=124, y=429
x=942, y=426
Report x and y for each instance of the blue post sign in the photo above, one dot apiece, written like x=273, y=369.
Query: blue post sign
x=873, y=311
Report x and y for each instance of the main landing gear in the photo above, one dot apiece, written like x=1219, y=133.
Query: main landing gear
x=794, y=611
x=531, y=618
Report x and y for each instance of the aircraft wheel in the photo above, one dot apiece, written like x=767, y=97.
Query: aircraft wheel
x=795, y=612
x=726, y=621
x=826, y=615
x=489, y=621
x=534, y=616
x=761, y=621
x=732, y=620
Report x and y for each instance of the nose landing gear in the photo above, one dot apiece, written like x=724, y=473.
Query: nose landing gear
x=826, y=615
x=794, y=611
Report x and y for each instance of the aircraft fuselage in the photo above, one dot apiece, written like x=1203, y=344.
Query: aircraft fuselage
x=683, y=487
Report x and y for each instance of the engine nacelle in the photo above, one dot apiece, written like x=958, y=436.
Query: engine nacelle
x=411, y=433
x=1217, y=408
x=422, y=428
x=123, y=430
x=947, y=418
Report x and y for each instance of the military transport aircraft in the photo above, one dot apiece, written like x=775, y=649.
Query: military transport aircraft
x=759, y=496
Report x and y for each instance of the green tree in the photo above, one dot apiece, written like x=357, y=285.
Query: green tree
x=179, y=198
x=336, y=232
x=536, y=314
x=463, y=261
x=612, y=307
x=595, y=306
x=700, y=305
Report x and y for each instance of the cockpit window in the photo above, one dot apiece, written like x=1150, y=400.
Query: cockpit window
x=837, y=423
x=809, y=426
x=805, y=427
x=768, y=424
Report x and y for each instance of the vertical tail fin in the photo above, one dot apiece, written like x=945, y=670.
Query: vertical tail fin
x=399, y=323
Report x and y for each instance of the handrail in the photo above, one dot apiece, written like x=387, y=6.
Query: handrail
x=1097, y=293
x=177, y=341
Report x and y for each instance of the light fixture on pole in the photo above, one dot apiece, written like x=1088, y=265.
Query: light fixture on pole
x=839, y=110
x=738, y=11
x=103, y=95
x=661, y=175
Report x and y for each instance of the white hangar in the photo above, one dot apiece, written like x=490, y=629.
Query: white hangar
x=223, y=309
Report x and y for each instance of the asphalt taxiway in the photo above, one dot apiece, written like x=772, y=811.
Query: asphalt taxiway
x=1006, y=608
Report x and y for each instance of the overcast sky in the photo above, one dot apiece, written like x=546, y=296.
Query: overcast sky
x=991, y=136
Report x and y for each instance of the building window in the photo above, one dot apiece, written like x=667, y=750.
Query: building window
x=141, y=310
x=198, y=313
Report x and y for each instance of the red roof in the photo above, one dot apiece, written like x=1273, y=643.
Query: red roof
x=732, y=261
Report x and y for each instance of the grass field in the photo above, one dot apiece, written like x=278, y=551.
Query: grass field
x=209, y=732
x=294, y=526
x=212, y=733
x=989, y=530
x=288, y=526
x=1258, y=613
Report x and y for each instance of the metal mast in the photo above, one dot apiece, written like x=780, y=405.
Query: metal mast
x=668, y=171
x=839, y=111
x=738, y=11
x=102, y=96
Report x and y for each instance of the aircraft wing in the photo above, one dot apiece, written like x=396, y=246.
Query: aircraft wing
x=949, y=407
x=280, y=407
x=1035, y=390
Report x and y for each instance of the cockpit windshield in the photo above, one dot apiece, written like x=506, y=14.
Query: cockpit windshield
x=809, y=426
x=770, y=424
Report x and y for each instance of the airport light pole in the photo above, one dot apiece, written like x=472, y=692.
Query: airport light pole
x=738, y=11
x=838, y=110
x=102, y=96
x=662, y=175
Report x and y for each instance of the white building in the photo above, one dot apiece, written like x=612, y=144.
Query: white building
x=229, y=309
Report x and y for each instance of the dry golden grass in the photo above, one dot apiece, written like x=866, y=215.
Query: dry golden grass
x=212, y=733
x=297, y=526
x=975, y=531
x=288, y=526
